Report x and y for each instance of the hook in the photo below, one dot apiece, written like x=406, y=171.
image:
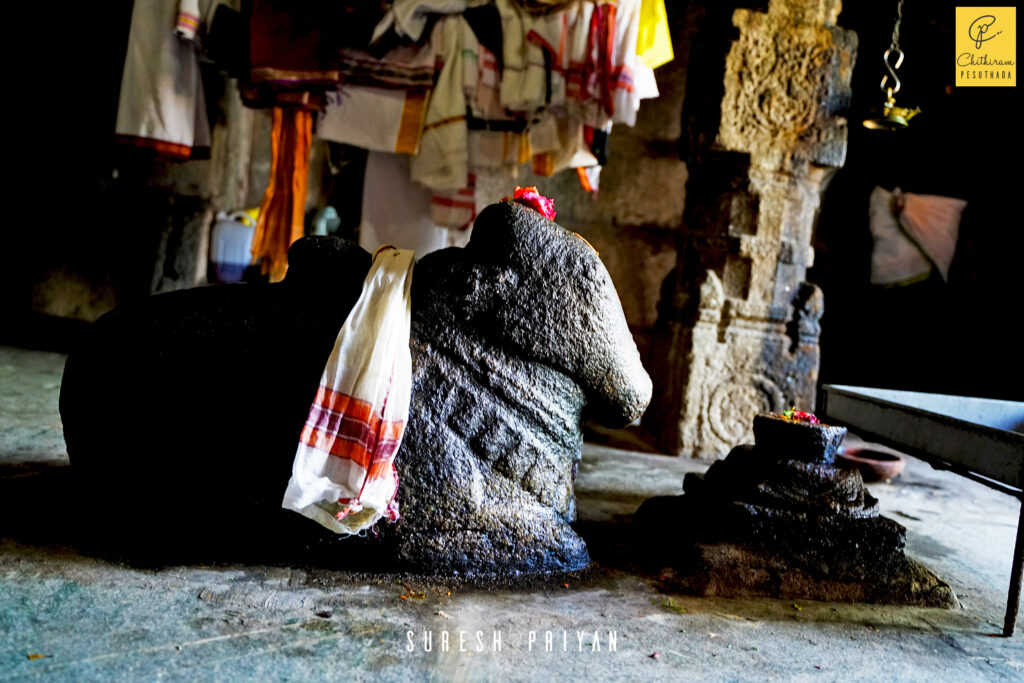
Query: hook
x=892, y=69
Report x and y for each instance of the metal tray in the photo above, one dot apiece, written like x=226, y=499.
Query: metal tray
x=981, y=435
x=978, y=438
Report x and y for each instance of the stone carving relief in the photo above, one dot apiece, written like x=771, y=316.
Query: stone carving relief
x=783, y=80
x=778, y=86
x=733, y=400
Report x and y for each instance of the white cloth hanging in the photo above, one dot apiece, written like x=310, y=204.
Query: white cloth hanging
x=912, y=235
x=443, y=159
x=381, y=119
x=343, y=474
x=161, y=105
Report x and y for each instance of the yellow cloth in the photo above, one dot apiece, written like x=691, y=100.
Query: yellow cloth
x=654, y=43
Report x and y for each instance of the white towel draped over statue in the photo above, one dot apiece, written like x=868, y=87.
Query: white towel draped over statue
x=343, y=476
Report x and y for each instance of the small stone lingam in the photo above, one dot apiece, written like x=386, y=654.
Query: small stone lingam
x=781, y=519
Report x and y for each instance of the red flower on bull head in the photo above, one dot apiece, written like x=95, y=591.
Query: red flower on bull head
x=531, y=197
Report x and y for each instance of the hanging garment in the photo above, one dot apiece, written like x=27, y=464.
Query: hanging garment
x=590, y=178
x=395, y=209
x=544, y=134
x=577, y=52
x=443, y=159
x=913, y=234
x=598, y=64
x=933, y=222
x=481, y=78
x=187, y=26
x=408, y=18
x=524, y=74
x=161, y=105
x=555, y=37
x=605, y=80
x=631, y=80
x=485, y=22
x=573, y=150
x=403, y=67
x=550, y=33
x=482, y=84
x=455, y=209
x=374, y=118
x=544, y=145
x=287, y=48
x=589, y=70
x=654, y=42
x=343, y=475
x=298, y=51
x=495, y=149
x=283, y=209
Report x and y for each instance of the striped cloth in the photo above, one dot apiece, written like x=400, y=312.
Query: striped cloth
x=374, y=118
x=455, y=209
x=343, y=475
x=187, y=23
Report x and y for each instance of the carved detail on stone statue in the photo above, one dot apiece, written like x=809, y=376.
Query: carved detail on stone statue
x=512, y=337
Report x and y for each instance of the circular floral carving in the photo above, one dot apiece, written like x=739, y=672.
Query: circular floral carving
x=735, y=402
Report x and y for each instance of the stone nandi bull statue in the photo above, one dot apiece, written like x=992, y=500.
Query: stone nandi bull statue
x=182, y=413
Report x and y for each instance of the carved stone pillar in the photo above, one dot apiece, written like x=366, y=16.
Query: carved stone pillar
x=739, y=328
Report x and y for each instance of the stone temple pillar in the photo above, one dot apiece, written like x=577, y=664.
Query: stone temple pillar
x=738, y=327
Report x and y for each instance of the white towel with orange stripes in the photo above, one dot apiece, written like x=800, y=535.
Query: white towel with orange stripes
x=343, y=475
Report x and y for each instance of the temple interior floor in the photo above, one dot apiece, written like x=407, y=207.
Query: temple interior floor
x=68, y=613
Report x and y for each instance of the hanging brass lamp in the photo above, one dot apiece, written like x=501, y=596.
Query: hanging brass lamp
x=892, y=117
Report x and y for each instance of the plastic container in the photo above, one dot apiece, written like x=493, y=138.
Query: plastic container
x=231, y=245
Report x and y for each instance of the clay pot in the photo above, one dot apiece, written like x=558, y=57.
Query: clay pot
x=873, y=465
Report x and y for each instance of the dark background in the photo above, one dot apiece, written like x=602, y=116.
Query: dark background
x=961, y=336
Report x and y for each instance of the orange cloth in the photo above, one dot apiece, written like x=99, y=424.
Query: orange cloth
x=283, y=209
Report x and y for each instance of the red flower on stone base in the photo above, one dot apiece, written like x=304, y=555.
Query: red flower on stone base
x=794, y=415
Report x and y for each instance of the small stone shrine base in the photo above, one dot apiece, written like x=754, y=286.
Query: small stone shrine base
x=727, y=570
x=781, y=519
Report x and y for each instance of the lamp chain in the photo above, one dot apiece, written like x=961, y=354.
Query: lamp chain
x=895, y=43
x=894, y=49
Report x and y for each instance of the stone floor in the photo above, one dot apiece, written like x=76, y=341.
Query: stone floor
x=70, y=614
